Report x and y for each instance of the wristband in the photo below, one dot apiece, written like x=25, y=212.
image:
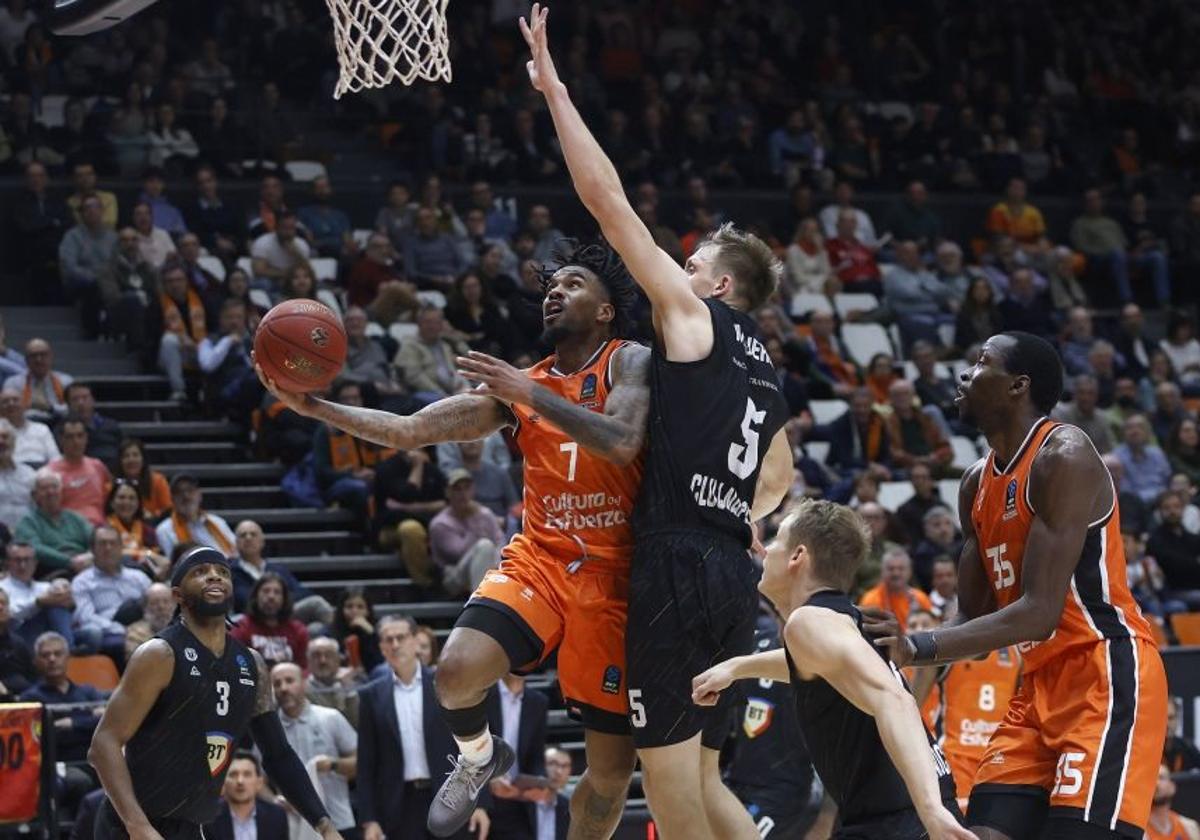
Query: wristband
x=924, y=646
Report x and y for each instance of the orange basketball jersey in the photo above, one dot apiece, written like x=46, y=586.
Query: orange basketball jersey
x=1099, y=604
x=577, y=504
x=973, y=700
x=1175, y=831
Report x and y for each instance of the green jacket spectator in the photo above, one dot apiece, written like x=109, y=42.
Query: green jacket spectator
x=60, y=537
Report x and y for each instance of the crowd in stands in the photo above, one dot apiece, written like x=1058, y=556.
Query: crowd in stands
x=877, y=312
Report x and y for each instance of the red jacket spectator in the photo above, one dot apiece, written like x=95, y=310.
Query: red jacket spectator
x=268, y=626
x=852, y=261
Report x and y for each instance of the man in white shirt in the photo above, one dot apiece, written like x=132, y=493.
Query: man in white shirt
x=843, y=199
x=16, y=480
x=36, y=606
x=322, y=738
x=101, y=590
x=395, y=786
x=33, y=442
x=273, y=254
x=154, y=243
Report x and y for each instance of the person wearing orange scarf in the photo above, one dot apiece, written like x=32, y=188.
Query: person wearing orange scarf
x=42, y=389
x=189, y=523
x=184, y=327
x=138, y=541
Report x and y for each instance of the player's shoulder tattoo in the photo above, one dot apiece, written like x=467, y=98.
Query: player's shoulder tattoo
x=264, y=700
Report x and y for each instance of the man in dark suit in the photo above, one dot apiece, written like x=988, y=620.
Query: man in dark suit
x=240, y=803
x=403, y=743
x=518, y=715
x=553, y=806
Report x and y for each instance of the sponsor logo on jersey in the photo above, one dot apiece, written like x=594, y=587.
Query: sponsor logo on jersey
x=998, y=758
x=189, y=653
x=588, y=389
x=195, y=672
x=713, y=493
x=243, y=665
x=758, y=717
x=496, y=577
x=245, y=681
x=753, y=347
x=219, y=750
x=611, y=683
x=1010, y=500
x=527, y=594
x=976, y=733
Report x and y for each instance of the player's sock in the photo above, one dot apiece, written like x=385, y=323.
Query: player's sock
x=477, y=750
x=470, y=729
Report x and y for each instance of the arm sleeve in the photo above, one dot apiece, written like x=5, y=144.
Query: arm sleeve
x=210, y=354
x=283, y=767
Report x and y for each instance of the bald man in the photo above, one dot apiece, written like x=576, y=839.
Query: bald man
x=42, y=389
x=322, y=738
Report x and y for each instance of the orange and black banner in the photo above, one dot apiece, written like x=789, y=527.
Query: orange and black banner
x=20, y=761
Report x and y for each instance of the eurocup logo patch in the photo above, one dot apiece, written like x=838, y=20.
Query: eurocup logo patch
x=1010, y=500
x=190, y=654
x=588, y=389
x=758, y=717
x=612, y=680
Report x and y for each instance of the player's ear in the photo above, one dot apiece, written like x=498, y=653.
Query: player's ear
x=606, y=313
x=800, y=557
x=1020, y=385
x=724, y=288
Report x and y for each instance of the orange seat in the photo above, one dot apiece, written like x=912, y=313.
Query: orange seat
x=97, y=671
x=1186, y=627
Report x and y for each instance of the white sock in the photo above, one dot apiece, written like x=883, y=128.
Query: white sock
x=477, y=750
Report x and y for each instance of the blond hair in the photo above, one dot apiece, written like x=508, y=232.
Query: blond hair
x=751, y=262
x=836, y=537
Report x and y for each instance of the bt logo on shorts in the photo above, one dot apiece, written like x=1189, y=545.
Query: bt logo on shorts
x=1002, y=567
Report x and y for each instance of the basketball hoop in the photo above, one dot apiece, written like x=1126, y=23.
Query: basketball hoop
x=380, y=41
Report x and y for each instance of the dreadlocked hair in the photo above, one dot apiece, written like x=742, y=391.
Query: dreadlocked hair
x=599, y=258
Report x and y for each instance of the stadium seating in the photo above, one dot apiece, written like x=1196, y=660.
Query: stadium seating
x=864, y=341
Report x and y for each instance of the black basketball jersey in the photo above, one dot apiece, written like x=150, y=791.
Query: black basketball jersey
x=711, y=423
x=770, y=753
x=180, y=753
x=844, y=741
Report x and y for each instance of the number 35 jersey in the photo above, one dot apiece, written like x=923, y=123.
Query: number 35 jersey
x=711, y=423
x=1099, y=604
x=577, y=504
x=180, y=753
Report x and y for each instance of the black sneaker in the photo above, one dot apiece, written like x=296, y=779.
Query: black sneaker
x=455, y=800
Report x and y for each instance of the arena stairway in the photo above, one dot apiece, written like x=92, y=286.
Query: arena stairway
x=324, y=548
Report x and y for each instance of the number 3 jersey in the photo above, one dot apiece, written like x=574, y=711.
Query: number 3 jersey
x=1099, y=604
x=577, y=504
x=179, y=755
x=711, y=423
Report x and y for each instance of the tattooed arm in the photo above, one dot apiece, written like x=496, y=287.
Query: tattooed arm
x=280, y=761
x=617, y=435
x=461, y=417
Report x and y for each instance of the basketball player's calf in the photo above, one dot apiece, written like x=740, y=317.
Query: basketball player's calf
x=599, y=798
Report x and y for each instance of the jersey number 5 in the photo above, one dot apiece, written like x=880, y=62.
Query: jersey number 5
x=1001, y=567
x=743, y=456
x=222, y=698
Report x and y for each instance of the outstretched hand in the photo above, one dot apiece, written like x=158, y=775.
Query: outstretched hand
x=542, y=74
x=299, y=403
x=497, y=378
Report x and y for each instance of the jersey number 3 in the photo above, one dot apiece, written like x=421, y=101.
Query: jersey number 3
x=222, y=698
x=743, y=455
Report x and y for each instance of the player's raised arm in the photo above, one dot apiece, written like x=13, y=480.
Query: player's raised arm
x=146, y=676
x=458, y=418
x=826, y=644
x=617, y=434
x=683, y=316
x=1068, y=482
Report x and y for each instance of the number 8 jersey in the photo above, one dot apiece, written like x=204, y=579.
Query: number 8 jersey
x=1099, y=604
x=711, y=423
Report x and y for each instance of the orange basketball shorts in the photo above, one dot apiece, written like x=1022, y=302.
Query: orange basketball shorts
x=582, y=614
x=1088, y=729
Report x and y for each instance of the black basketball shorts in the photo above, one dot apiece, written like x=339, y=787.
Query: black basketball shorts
x=693, y=602
x=108, y=826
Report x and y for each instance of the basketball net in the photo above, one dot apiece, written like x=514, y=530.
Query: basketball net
x=381, y=41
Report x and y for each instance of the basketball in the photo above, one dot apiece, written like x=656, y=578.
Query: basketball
x=301, y=345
